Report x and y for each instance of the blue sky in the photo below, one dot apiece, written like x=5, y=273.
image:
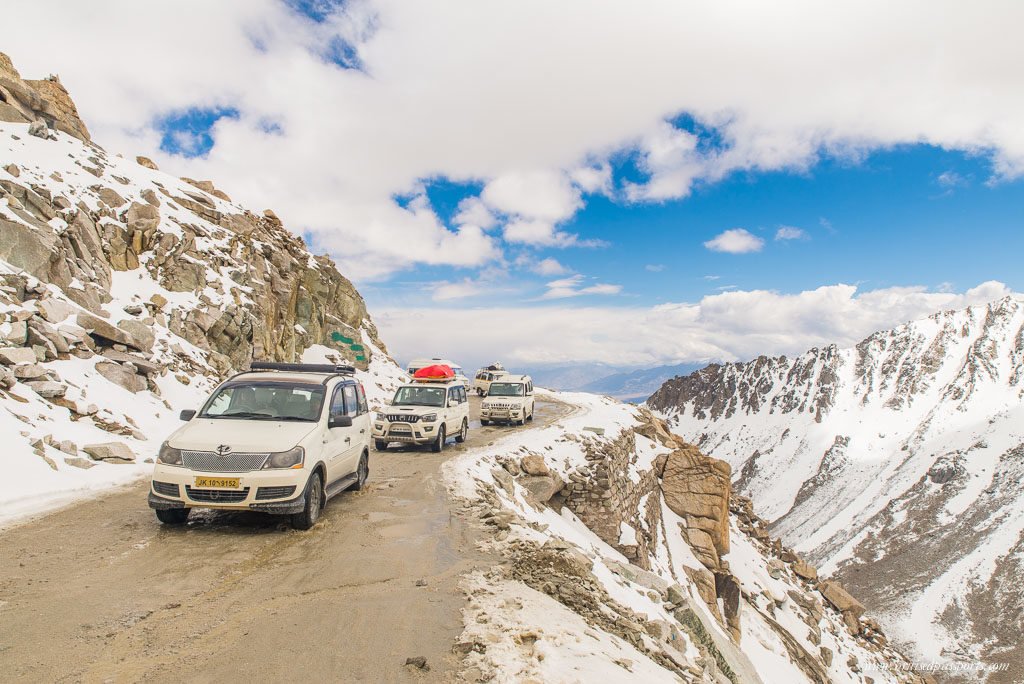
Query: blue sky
x=499, y=187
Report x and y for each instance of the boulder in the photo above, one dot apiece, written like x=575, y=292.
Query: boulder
x=150, y=197
x=835, y=594
x=13, y=170
x=18, y=333
x=54, y=310
x=11, y=356
x=542, y=487
x=39, y=129
x=43, y=334
x=79, y=462
x=144, y=366
x=804, y=569
x=534, y=465
x=111, y=198
x=143, y=334
x=7, y=379
x=110, y=452
x=30, y=371
x=122, y=376
x=47, y=388
x=104, y=332
x=147, y=162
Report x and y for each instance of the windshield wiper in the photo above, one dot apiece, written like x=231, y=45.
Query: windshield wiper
x=292, y=418
x=241, y=414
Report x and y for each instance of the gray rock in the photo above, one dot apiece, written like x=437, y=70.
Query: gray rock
x=54, y=310
x=142, y=365
x=104, y=331
x=111, y=198
x=122, y=376
x=29, y=371
x=7, y=379
x=110, y=452
x=143, y=334
x=18, y=334
x=541, y=487
x=79, y=462
x=39, y=129
x=11, y=356
x=47, y=388
x=47, y=336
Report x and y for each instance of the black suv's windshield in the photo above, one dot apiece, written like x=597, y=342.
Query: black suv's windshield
x=506, y=389
x=419, y=396
x=265, y=401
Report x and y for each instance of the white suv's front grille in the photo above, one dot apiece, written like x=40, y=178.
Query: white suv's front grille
x=212, y=462
x=402, y=418
x=502, y=407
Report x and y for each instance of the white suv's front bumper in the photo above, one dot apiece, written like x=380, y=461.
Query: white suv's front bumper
x=272, y=491
x=407, y=433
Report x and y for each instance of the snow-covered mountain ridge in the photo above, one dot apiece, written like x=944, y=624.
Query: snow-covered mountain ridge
x=628, y=559
x=897, y=464
x=125, y=293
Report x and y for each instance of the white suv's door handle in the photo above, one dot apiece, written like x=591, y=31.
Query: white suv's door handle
x=363, y=431
x=348, y=439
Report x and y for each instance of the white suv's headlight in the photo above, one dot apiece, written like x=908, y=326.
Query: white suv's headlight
x=286, y=459
x=169, y=455
x=429, y=418
x=380, y=416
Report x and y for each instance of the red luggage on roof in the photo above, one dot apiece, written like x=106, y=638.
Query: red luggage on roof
x=437, y=372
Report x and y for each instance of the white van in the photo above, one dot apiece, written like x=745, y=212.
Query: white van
x=484, y=377
x=417, y=364
x=282, y=438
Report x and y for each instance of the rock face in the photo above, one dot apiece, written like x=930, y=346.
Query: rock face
x=45, y=100
x=884, y=445
x=697, y=488
x=261, y=294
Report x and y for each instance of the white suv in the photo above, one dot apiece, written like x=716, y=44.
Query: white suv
x=424, y=412
x=282, y=438
x=509, y=400
x=484, y=378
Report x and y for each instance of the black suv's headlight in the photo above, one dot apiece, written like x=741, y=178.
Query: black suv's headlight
x=286, y=459
x=169, y=455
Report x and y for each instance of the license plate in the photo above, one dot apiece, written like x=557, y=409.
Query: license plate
x=400, y=428
x=218, y=483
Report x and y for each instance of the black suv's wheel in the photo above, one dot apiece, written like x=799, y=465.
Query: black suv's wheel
x=314, y=500
x=463, y=433
x=438, y=445
x=172, y=516
x=362, y=472
x=380, y=444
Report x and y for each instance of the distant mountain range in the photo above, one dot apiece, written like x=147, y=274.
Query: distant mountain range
x=625, y=383
x=898, y=465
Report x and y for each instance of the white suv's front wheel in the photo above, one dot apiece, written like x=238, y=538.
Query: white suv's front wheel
x=463, y=433
x=438, y=445
x=305, y=519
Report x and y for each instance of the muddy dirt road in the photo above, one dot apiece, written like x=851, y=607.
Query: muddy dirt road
x=100, y=592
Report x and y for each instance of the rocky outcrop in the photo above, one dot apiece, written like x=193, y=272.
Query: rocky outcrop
x=697, y=489
x=43, y=100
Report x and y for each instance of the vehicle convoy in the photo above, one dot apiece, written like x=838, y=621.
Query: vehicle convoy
x=281, y=438
x=485, y=376
x=509, y=400
x=427, y=410
x=419, y=364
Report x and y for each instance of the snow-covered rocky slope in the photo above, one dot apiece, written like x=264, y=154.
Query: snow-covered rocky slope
x=898, y=465
x=628, y=559
x=126, y=293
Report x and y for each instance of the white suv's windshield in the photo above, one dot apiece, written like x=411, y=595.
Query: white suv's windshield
x=506, y=389
x=265, y=401
x=419, y=396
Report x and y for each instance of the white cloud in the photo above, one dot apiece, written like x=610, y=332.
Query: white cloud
x=565, y=288
x=790, y=233
x=735, y=241
x=727, y=326
x=517, y=104
x=655, y=268
x=548, y=267
x=472, y=211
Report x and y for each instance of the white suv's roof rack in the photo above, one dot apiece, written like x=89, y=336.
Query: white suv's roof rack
x=444, y=380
